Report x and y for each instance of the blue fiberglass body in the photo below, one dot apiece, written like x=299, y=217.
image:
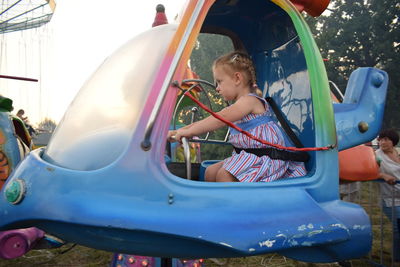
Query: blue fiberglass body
x=98, y=185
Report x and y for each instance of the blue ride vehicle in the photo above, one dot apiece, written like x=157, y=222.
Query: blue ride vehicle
x=103, y=181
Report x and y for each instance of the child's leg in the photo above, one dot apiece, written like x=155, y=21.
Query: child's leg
x=212, y=170
x=225, y=176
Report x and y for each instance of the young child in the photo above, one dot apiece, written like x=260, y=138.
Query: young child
x=235, y=78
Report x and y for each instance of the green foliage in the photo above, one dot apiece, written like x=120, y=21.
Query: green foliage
x=208, y=48
x=362, y=33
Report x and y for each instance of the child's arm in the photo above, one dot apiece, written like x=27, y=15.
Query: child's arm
x=235, y=112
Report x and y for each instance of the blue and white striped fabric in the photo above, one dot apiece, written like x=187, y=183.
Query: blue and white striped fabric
x=247, y=167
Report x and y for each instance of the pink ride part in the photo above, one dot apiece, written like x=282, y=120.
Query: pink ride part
x=15, y=243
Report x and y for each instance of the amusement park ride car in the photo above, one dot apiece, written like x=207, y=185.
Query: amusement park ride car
x=103, y=182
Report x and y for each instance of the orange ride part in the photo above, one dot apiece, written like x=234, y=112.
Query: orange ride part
x=4, y=169
x=312, y=7
x=358, y=164
x=2, y=138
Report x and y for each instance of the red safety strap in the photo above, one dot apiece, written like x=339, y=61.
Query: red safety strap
x=230, y=124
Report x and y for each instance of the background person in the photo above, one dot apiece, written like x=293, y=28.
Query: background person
x=20, y=114
x=389, y=169
x=29, y=127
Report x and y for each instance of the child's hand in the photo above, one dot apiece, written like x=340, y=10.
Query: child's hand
x=171, y=137
x=176, y=135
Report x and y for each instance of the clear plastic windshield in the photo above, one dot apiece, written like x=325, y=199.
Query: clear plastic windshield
x=98, y=124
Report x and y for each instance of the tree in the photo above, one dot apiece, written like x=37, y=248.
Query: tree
x=47, y=125
x=362, y=33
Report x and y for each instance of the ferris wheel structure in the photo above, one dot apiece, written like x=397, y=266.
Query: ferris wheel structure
x=17, y=15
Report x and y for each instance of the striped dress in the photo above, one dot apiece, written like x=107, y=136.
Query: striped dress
x=247, y=167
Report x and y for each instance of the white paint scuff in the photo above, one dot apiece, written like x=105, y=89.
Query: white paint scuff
x=267, y=243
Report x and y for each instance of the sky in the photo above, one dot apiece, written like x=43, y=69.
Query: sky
x=66, y=51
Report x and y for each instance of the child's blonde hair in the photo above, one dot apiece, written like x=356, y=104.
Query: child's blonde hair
x=238, y=61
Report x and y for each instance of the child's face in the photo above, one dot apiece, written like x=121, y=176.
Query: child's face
x=226, y=83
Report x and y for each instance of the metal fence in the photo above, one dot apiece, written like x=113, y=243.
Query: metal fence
x=384, y=226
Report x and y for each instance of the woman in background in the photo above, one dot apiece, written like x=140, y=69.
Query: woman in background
x=389, y=169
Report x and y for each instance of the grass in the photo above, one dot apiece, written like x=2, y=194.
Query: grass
x=79, y=256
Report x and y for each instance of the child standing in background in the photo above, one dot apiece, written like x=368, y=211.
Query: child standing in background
x=251, y=161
